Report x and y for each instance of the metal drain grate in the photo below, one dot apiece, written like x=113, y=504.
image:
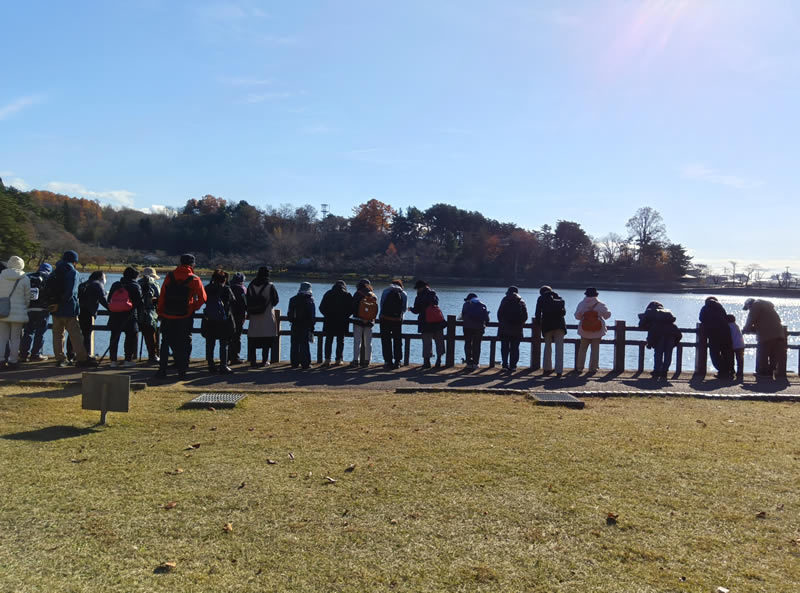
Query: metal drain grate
x=219, y=400
x=557, y=399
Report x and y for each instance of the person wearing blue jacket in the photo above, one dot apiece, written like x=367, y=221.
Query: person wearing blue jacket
x=33, y=332
x=63, y=304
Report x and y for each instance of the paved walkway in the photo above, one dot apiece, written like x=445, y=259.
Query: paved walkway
x=280, y=376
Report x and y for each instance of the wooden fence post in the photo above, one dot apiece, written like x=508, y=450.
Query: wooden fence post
x=275, y=351
x=320, y=339
x=701, y=352
x=450, y=340
x=536, y=345
x=619, y=346
x=780, y=368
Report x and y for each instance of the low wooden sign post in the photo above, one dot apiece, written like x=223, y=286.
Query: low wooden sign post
x=107, y=392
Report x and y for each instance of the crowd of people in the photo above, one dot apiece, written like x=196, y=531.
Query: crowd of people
x=164, y=316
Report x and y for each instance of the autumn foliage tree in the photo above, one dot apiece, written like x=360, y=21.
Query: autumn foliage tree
x=373, y=216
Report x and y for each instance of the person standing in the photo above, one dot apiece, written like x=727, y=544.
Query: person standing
x=33, y=332
x=394, y=304
x=16, y=287
x=662, y=336
x=431, y=323
x=62, y=298
x=301, y=315
x=591, y=314
x=365, y=311
x=550, y=313
x=148, y=318
x=262, y=330
x=714, y=322
x=511, y=317
x=124, y=305
x=764, y=321
x=475, y=316
x=218, y=324
x=181, y=295
x=239, y=309
x=737, y=342
x=335, y=307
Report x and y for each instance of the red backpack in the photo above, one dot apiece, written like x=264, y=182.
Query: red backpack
x=120, y=301
x=433, y=314
x=590, y=321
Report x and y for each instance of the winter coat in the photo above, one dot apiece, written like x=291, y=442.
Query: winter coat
x=474, y=314
x=197, y=294
x=403, y=297
x=336, y=307
x=659, y=323
x=91, y=297
x=38, y=300
x=67, y=276
x=239, y=305
x=550, y=312
x=21, y=298
x=424, y=299
x=737, y=340
x=302, y=311
x=592, y=304
x=148, y=315
x=764, y=321
x=263, y=325
x=356, y=301
x=127, y=320
x=511, y=316
x=714, y=321
x=218, y=329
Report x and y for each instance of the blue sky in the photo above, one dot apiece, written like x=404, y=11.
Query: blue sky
x=527, y=111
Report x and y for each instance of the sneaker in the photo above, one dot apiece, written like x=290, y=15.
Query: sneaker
x=426, y=365
x=154, y=360
x=38, y=358
x=12, y=366
x=338, y=363
x=161, y=374
x=354, y=364
x=181, y=374
x=325, y=364
x=88, y=363
x=128, y=363
x=225, y=370
x=62, y=364
x=364, y=365
x=396, y=365
x=388, y=366
x=236, y=361
x=23, y=358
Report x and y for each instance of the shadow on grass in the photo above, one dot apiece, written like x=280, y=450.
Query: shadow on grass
x=49, y=433
x=70, y=391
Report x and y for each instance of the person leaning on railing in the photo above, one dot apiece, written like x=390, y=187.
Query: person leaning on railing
x=592, y=314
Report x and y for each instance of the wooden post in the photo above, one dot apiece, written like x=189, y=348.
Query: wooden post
x=536, y=345
x=275, y=352
x=678, y=359
x=320, y=339
x=492, y=352
x=619, y=346
x=450, y=342
x=701, y=352
x=407, y=351
x=780, y=368
x=640, y=368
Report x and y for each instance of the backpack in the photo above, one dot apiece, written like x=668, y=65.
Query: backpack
x=433, y=314
x=215, y=308
x=37, y=290
x=553, y=306
x=392, y=305
x=590, y=321
x=475, y=312
x=256, y=301
x=54, y=289
x=148, y=292
x=176, y=296
x=82, y=288
x=368, y=307
x=120, y=301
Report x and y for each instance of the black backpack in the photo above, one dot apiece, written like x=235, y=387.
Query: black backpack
x=392, y=305
x=256, y=301
x=54, y=288
x=553, y=307
x=217, y=305
x=176, y=296
x=37, y=290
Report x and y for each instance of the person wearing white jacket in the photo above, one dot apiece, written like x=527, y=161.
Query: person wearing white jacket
x=592, y=327
x=15, y=284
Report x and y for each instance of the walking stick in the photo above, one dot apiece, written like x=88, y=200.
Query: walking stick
x=141, y=342
x=104, y=354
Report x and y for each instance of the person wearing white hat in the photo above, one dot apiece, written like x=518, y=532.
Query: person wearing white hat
x=15, y=297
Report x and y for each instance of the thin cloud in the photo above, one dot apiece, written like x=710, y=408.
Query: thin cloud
x=701, y=172
x=155, y=209
x=12, y=180
x=120, y=196
x=10, y=109
x=251, y=98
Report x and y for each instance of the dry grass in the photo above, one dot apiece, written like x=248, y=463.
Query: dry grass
x=449, y=493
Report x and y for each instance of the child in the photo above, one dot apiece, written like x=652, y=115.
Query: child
x=738, y=346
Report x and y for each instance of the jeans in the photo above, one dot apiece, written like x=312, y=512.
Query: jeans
x=10, y=333
x=300, y=354
x=176, y=336
x=472, y=345
x=662, y=354
x=554, y=336
x=33, y=333
x=509, y=352
x=362, y=334
x=73, y=329
x=329, y=336
x=392, y=341
x=427, y=344
x=594, y=357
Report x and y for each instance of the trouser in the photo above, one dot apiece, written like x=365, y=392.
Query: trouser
x=509, y=352
x=721, y=354
x=362, y=334
x=594, y=357
x=427, y=344
x=129, y=347
x=176, y=335
x=73, y=329
x=662, y=354
x=472, y=345
x=235, y=343
x=739, y=356
x=150, y=336
x=223, y=351
x=392, y=341
x=554, y=336
x=263, y=344
x=33, y=333
x=770, y=353
x=329, y=336
x=300, y=352
x=86, y=323
x=10, y=333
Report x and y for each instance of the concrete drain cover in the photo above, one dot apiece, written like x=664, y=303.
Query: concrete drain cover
x=557, y=399
x=217, y=400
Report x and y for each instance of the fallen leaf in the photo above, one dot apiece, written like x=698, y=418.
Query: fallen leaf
x=81, y=460
x=271, y=461
x=350, y=468
x=213, y=428
x=251, y=429
x=796, y=542
x=165, y=567
x=212, y=409
x=723, y=590
x=611, y=519
x=292, y=475
x=761, y=515
x=701, y=423
x=291, y=455
x=779, y=507
x=393, y=521
x=174, y=472
x=338, y=411
x=171, y=505
x=193, y=426
x=227, y=528
x=345, y=513
x=330, y=480
x=242, y=485
x=192, y=447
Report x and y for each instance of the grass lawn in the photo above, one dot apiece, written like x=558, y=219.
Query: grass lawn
x=448, y=493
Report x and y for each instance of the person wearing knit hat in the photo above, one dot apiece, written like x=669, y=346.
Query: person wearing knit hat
x=301, y=314
x=124, y=304
x=34, y=330
x=148, y=319
x=262, y=329
x=512, y=315
x=62, y=288
x=335, y=308
x=15, y=289
x=475, y=316
x=187, y=259
x=365, y=311
x=239, y=308
x=550, y=313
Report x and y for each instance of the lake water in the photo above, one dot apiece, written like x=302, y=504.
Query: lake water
x=624, y=305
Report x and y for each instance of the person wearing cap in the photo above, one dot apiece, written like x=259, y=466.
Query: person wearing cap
x=91, y=294
x=365, y=311
x=512, y=315
x=262, y=328
x=764, y=321
x=475, y=316
x=34, y=330
x=65, y=307
x=714, y=323
x=550, y=313
x=430, y=322
x=394, y=304
x=335, y=307
x=16, y=287
x=591, y=314
x=148, y=320
x=302, y=315
x=239, y=308
x=181, y=296
x=662, y=336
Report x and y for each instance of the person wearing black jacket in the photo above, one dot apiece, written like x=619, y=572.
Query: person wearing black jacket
x=662, y=336
x=336, y=306
x=218, y=323
x=431, y=330
x=550, y=313
x=511, y=317
x=239, y=308
x=262, y=327
x=33, y=332
x=714, y=322
x=125, y=321
x=91, y=294
x=148, y=320
x=301, y=314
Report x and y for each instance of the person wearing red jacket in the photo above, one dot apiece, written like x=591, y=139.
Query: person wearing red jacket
x=181, y=295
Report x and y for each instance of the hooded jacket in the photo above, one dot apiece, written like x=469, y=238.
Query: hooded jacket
x=591, y=303
x=403, y=298
x=336, y=307
x=22, y=295
x=302, y=311
x=424, y=299
x=67, y=276
x=94, y=295
x=197, y=294
x=550, y=312
x=363, y=291
x=512, y=315
x=659, y=323
x=37, y=281
x=474, y=314
x=714, y=320
x=764, y=321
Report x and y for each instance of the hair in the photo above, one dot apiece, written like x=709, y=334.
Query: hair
x=398, y=282
x=131, y=273
x=731, y=318
x=219, y=276
x=96, y=275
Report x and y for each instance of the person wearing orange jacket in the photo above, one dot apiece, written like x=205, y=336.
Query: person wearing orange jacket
x=181, y=295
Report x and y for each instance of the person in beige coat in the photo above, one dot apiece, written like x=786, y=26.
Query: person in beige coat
x=592, y=327
x=16, y=285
